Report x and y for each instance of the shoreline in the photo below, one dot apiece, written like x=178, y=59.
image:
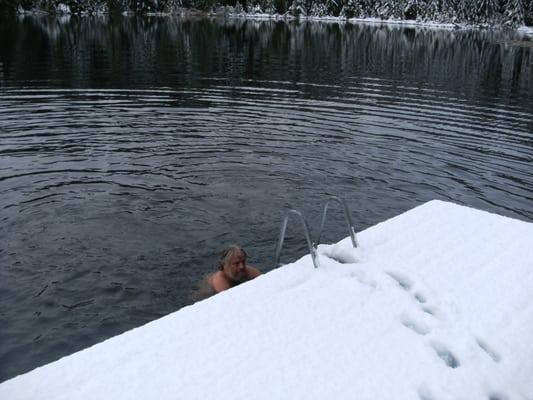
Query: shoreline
x=194, y=13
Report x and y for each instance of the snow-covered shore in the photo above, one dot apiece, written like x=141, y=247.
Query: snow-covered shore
x=288, y=17
x=438, y=306
x=526, y=30
x=63, y=10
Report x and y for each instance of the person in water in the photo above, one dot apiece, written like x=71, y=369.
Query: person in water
x=232, y=269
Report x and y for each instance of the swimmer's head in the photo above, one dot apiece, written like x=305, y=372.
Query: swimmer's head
x=232, y=263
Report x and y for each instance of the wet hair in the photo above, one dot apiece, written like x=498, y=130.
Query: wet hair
x=227, y=253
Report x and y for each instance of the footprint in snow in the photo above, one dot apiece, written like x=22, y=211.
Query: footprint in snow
x=424, y=393
x=402, y=280
x=445, y=355
x=336, y=258
x=407, y=284
x=430, y=310
x=497, y=396
x=417, y=327
x=420, y=297
x=488, y=350
x=363, y=279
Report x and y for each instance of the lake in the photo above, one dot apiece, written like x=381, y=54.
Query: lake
x=133, y=149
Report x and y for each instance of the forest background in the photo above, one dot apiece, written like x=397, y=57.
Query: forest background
x=482, y=13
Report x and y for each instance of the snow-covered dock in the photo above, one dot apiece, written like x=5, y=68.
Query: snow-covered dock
x=438, y=307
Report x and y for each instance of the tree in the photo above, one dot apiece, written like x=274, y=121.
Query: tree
x=333, y=6
x=351, y=9
x=395, y=9
x=297, y=8
x=460, y=11
x=528, y=18
x=318, y=9
x=414, y=9
x=370, y=8
x=513, y=15
x=485, y=11
x=268, y=6
x=432, y=11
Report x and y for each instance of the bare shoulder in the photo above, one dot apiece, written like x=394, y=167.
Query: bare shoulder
x=219, y=282
x=253, y=272
x=203, y=291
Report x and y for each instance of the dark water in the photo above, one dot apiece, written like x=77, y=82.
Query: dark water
x=131, y=150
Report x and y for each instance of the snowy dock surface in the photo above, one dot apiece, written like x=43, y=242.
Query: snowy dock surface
x=439, y=306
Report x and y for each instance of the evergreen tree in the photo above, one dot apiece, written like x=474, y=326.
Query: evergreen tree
x=280, y=6
x=173, y=6
x=334, y=7
x=396, y=9
x=351, y=9
x=254, y=8
x=528, y=18
x=460, y=11
x=513, y=13
x=297, y=8
x=432, y=11
x=319, y=9
x=385, y=10
x=414, y=9
x=370, y=8
x=268, y=6
x=485, y=11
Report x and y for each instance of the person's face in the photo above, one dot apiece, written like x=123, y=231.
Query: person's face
x=235, y=267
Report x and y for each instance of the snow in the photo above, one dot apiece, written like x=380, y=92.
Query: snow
x=527, y=30
x=409, y=23
x=340, y=19
x=434, y=304
x=63, y=9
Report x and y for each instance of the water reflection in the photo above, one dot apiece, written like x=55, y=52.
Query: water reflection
x=134, y=148
x=110, y=51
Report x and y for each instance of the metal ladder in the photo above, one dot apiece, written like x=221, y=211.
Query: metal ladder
x=312, y=247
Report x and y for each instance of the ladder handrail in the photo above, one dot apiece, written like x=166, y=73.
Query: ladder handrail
x=346, y=215
x=312, y=249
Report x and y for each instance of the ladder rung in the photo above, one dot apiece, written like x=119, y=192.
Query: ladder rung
x=310, y=244
x=346, y=216
x=312, y=249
